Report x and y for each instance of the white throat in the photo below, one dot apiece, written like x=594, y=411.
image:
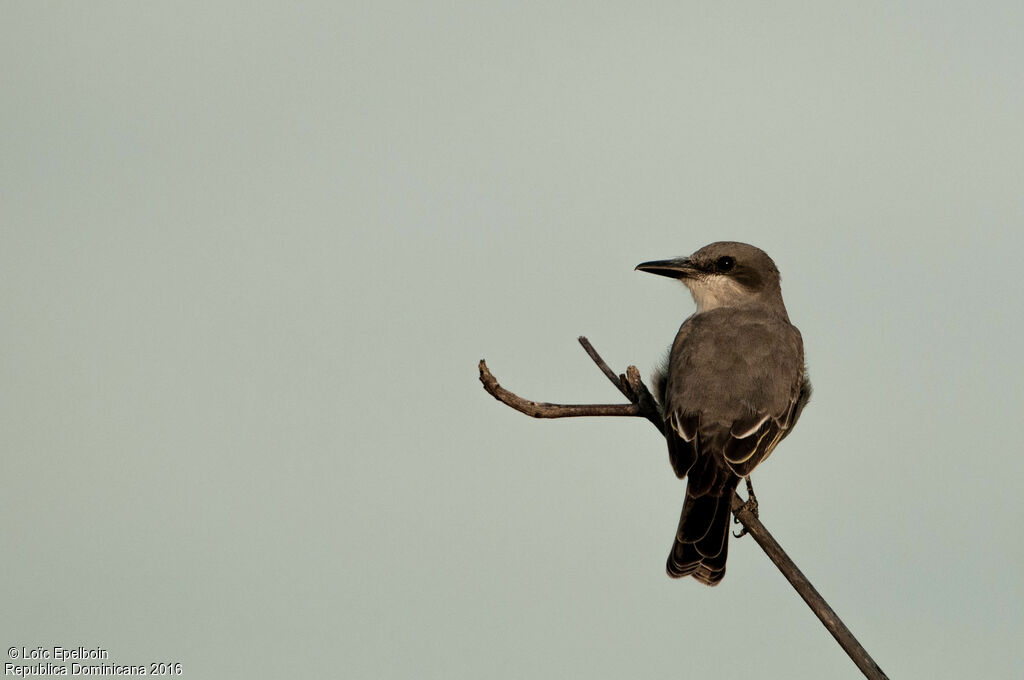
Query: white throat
x=715, y=291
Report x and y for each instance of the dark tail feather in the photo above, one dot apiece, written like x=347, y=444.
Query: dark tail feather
x=683, y=560
x=717, y=537
x=712, y=569
x=697, y=517
x=702, y=541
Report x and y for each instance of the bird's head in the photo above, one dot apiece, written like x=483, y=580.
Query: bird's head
x=724, y=274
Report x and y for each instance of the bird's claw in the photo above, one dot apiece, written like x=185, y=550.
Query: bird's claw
x=750, y=504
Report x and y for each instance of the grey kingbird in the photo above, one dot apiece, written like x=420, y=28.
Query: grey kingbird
x=732, y=389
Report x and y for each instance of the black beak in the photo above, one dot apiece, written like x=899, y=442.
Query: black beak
x=679, y=268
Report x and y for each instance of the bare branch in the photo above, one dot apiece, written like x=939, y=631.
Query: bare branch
x=809, y=593
x=643, y=404
x=604, y=367
x=541, y=409
x=630, y=385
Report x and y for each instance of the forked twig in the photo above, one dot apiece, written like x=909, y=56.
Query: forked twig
x=642, y=403
x=542, y=409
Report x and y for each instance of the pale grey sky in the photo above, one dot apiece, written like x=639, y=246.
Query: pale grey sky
x=251, y=254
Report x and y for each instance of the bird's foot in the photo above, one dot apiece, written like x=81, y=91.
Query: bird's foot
x=750, y=504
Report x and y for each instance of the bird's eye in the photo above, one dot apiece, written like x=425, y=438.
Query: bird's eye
x=725, y=263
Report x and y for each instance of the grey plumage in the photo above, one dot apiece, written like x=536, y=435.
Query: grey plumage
x=732, y=389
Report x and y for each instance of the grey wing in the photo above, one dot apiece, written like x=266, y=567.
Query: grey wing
x=752, y=439
x=729, y=395
x=681, y=433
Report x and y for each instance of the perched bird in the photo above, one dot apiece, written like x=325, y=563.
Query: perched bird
x=732, y=389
